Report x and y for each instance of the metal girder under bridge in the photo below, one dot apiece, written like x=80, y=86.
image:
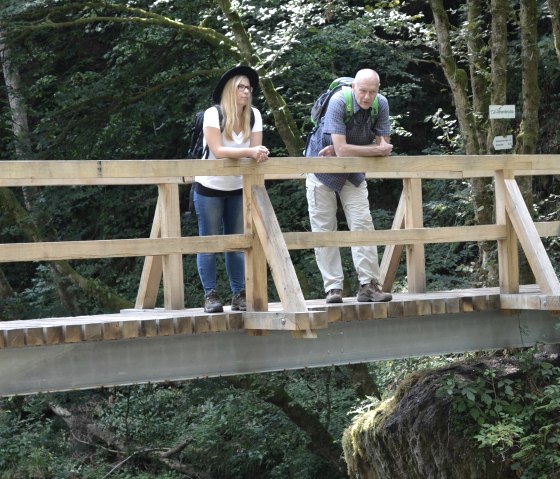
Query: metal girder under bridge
x=93, y=364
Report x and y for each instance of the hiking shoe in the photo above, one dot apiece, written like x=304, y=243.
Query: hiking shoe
x=372, y=292
x=212, y=303
x=238, y=301
x=334, y=296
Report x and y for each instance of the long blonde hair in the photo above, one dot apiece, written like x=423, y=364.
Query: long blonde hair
x=229, y=109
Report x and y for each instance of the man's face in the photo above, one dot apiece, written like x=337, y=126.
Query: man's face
x=365, y=92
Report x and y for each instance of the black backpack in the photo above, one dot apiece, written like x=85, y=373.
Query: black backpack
x=320, y=106
x=196, y=149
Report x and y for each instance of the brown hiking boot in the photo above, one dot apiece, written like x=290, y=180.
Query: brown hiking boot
x=372, y=292
x=239, y=302
x=212, y=303
x=334, y=296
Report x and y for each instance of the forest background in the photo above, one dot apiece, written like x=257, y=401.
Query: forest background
x=123, y=80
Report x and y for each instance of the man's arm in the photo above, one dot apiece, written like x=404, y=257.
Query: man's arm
x=381, y=147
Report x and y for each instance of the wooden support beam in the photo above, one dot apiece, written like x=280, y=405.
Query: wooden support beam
x=278, y=256
x=256, y=273
x=152, y=270
x=530, y=241
x=508, y=253
x=414, y=218
x=392, y=253
x=170, y=218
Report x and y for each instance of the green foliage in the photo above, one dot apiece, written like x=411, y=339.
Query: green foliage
x=515, y=417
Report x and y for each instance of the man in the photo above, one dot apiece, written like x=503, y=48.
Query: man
x=356, y=138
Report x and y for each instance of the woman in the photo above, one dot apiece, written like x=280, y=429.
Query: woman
x=232, y=129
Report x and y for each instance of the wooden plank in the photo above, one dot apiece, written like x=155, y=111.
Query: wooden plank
x=508, y=254
x=453, y=305
x=466, y=305
x=210, y=323
x=54, y=334
x=34, y=337
x=148, y=328
x=396, y=309
x=152, y=271
x=449, y=234
x=530, y=301
x=419, y=165
x=93, y=332
x=89, y=181
x=530, y=241
x=235, y=320
x=414, y=218
x=410, y=308
x=380, y=310
x=438, y=306
x=111, y=330
x=184, y=325
x=170, y=219
x=130, y=329
x=277, y=255
x=121, y=248
x=392, y=253
x=364, y=311
x=72, y=333
x=2, y=340
x=548, y=228
x=166, y=327
x=424, y=308
x=15, y=338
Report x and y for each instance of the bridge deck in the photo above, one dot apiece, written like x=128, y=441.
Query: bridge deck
x=139, y=346
x=136, y=323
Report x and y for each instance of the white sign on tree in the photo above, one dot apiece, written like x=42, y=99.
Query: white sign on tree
x=501, y=111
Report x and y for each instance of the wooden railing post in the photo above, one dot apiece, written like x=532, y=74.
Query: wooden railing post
x=414, y=218
x=508, y=259
x=256, y=285
x=170, y=218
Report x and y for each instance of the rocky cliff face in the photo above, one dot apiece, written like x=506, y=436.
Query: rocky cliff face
x=410, y=436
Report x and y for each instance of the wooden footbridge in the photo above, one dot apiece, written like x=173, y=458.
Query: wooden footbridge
x=154, y=344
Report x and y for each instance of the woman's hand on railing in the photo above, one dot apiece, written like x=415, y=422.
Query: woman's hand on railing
x=259, y=153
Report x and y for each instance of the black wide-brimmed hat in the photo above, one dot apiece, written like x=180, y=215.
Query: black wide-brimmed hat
x=238, y=70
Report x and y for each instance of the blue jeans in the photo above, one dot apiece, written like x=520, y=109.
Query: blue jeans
x=220, y=215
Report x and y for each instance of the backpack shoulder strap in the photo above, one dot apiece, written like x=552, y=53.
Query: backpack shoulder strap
x=374, y=111
x=349, y=110
x=206, y=151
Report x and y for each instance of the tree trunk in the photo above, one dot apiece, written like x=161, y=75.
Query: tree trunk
x=30, y=217
x=6, y=290
x=554, y=6
x=456, y=78
x=362, y=381
x=283, y=120
x=528, y=136
x=458, y=83
x=477, y=69
x=321, y=442
x=84, y=430
x=500, y=13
